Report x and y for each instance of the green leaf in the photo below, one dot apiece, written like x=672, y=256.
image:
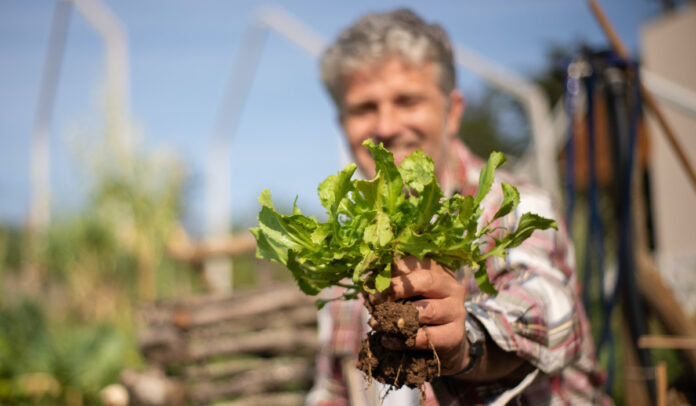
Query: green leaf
x=320, y=303
x=482, y=280
x=392, y=185
x=265, y=199
x=498, y=250
x=293, y=232
x=429, y=202
x=362, y=266
x=351, y=233
x=333, y=190
x=268, y=249
x=488, y=175
x=367, y=193
x=321, y=233
x=379, y=233
x=464, y=205
x=383, y=278
x=418, y=245
x=417, y=170
x=305, y=284
x=529, y=222
x=296, y=210
x=511, y=198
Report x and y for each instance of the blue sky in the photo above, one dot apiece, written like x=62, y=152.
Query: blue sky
x=181, y=53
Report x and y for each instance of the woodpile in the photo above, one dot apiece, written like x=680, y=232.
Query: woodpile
x=250, y=348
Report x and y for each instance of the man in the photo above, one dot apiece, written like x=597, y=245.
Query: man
x=392, y=78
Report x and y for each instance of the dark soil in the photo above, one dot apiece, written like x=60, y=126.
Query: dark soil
x=397, y=368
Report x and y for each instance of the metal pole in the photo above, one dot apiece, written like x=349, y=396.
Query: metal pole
x=40, y=149
x=218, y=215
x=117, y=72
x=218, y=270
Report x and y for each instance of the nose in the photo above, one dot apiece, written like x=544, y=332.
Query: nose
x=388, y=125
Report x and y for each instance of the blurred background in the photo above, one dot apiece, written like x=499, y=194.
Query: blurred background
x=136, y=136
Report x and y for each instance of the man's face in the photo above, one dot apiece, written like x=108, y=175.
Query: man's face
x=400, y=105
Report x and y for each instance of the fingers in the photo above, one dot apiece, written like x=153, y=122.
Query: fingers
x=431, y=284
x=411, y=277
x=422, y=282
x=432, y=312
x=409, y=264
x=443, y=337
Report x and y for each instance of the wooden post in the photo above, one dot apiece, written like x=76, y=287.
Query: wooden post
x=635, y=388
x=661, y=383
x=669, y=342
x=660, y=298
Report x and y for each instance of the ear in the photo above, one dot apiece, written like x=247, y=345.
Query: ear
x=454, y=115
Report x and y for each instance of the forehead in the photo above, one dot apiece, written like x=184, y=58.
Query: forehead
x=389, y=77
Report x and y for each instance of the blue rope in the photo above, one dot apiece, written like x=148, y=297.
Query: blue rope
x=595, y=239
x=595, y=251
x=624, y=248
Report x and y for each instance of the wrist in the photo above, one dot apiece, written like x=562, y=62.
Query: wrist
x=476, y=338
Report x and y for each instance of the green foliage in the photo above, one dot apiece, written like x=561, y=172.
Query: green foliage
x=495, y=122
x=44, y=362
x=119, y=237
x=66, y=312
x=372, y=223
x=10, y=248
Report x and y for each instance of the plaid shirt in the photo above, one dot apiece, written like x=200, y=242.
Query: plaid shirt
x=537, y=314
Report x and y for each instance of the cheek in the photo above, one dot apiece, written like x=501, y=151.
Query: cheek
x=356, y=131
x=428, y=119
x=431, y=126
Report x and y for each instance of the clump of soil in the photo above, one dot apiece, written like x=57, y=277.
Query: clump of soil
x=397, y=368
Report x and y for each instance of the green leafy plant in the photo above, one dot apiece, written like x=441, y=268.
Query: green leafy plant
x=372, y=223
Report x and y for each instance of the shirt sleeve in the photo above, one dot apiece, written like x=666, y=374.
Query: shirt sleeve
x=537, y=313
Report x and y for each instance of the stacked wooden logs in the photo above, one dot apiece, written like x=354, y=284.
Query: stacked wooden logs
x=250, y=348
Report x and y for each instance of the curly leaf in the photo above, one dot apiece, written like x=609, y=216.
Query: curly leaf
x=488, y=175
x=383, y=278
x=511, y=198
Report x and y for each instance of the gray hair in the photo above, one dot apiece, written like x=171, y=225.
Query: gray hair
x=378, y=36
